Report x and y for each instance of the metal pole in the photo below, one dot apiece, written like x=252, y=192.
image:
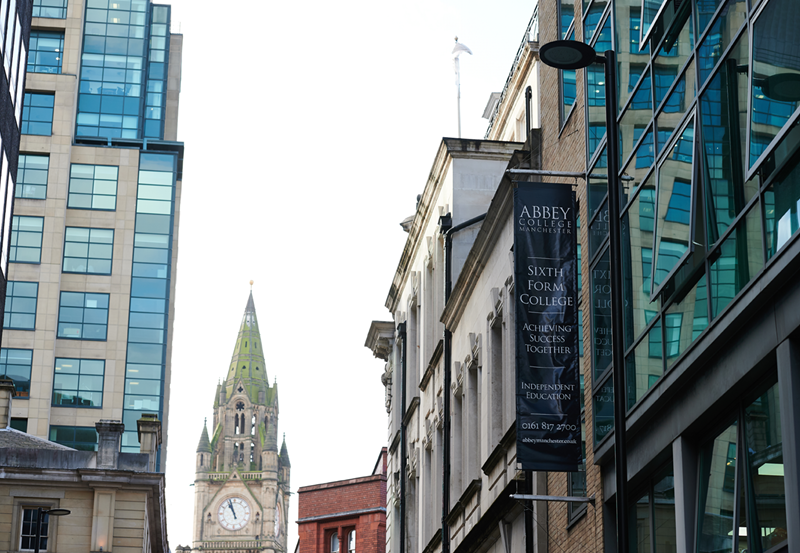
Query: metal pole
x=39, y=514
x=401, y=329
x=458, y=86
x=617, y=344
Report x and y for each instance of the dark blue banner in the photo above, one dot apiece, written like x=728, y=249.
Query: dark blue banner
x=546, y=295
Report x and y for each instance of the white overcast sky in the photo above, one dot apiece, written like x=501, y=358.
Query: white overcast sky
x=310, y=128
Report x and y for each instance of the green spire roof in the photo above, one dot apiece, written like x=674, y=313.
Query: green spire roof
x=285, y=453
x=247, y=362
x=204, y=446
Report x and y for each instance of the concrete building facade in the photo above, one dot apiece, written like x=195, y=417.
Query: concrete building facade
x=344, y=516
x=109, y=500
x=94, y=238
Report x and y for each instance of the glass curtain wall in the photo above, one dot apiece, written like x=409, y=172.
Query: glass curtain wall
x=710, y=190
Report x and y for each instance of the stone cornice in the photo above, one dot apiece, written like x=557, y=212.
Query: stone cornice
x=449, y=149
x=530, y=54
x=500, y=210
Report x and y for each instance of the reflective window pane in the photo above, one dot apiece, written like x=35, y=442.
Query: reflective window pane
x=717, y=487
x=782, y=209
x=775, y=81
x=762, y=427
x=601, y=315
x=673, y=206
x=644, y=365
x=740, y=259
x=722, y=33
x=685, y=320
x=637, y=260
x=724, y=121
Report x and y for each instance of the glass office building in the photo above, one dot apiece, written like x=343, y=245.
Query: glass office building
x=93, y=240
x=15, y=21
x=708, y=96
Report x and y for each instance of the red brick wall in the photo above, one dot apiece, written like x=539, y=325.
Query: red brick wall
x=336, y=498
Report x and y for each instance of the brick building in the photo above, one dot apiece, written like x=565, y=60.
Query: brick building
x=347, y=516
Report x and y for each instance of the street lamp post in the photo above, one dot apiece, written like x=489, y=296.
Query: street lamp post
x=40, y=512
x=571, y=54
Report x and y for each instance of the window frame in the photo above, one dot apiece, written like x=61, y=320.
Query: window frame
x=92, y=194
x=8, y=304
x=21, y=504
x=78, y=389
x=83, y=315
x=17, y=393
x=25, y=122
x=40, y=6
x=38, y=34
x=88, y=257
x=14, y=243
x=22, y=168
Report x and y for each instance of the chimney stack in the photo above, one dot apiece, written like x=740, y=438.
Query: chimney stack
x=110, y=436
x=7, y=390
x=149, y=437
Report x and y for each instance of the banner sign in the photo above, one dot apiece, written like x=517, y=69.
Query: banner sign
x=546, y=296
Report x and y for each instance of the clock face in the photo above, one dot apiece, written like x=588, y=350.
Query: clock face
x=277, y=520
x=234, y=513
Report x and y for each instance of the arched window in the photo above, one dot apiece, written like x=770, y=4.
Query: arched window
x=334, y=543
x=236, y=424
x=351, y=542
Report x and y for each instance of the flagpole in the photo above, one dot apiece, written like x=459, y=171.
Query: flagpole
x=456, y=53
x=458, y=87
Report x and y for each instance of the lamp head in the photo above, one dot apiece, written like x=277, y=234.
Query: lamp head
x=567, y=54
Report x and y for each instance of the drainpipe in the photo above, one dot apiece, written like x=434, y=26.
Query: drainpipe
x=446, y=224
x=401, y=329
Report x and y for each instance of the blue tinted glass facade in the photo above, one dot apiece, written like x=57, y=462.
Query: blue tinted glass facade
x=150, y=285
x=118, y=68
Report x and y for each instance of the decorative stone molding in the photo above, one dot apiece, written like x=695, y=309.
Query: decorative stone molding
x=411, y=463
x=497, y=299
x=429, y=255
x=427, y=438
x=439, y=412
x=457, y=385
x=473, y=359
x=414, y=281
x=386, y=380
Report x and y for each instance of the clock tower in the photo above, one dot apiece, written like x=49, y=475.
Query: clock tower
x=241, y=475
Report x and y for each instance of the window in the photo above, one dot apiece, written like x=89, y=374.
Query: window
x=54, y=9
x=351, y=542
x=37, y=114
x=652, y=515
x=26, y=239
x=20, y=308
x=93, y=187
x=334, y=543
x=88, y=250
x=742, y=489
x=20, y=424
x=83, y=438
x=27, y=535
x=16, y=365
x=46, y=52
x=83, y=316
x=32, y=177
x=78, y=382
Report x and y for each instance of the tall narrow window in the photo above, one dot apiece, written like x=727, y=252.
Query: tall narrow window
x=351, y=542
x=32, y=177
x=20, y=308
x=334, y=543
x=37, y=114
x=27, y=535
x=26, y=239
x=46, y=52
